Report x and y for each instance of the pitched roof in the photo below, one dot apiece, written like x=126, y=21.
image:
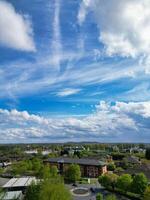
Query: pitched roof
x=77, y=161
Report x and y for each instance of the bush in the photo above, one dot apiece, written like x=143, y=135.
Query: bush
x=147, y=154
x=111, y=166
x=99, y=196
x=147, y=194
x=111, y=197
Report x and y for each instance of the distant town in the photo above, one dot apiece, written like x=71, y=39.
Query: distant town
x=75, y=171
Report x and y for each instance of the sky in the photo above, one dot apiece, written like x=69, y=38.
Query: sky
x=74, y=70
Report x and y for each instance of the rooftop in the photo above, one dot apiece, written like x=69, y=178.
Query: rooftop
x=12, y=195
x=76, y=161
x=19, y=182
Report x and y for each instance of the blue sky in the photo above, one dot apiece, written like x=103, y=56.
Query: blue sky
x=67, y=68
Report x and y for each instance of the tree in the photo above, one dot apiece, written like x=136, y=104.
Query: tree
x=111, y=167
x=20, y=168
x=53, y=171
x=44, y=172
x=147, y=154
x=139, y=183
x=33, y=192
x=108, y=180
x=1, y=194
x=99, y=196
x=124, y=182
x=73, y=173
x=111, y=197
x=147, y=194
x=54, y=192
x=36, y=165
x=46, y=190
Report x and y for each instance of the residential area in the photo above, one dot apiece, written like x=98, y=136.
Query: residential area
x=86, y=171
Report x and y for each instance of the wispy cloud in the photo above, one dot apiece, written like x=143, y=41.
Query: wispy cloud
x=56, y=42
x=68, y=92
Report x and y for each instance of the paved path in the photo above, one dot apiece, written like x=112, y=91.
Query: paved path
x=92, y=196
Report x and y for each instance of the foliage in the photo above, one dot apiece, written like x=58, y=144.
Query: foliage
x=25, y=166
x=111, y=197
x=47, y=191
x=132, y=186
x=118, y=156
x=147, y=194
x=139, y=183
x=124, y=182
x=1, y=194
x=73, y=173
x=111, y=166
x=36, y=165
x=147, y=154
x=119, y=169
x=99, y=196
x=54, y=192
x=33, y=192
x=108, y=180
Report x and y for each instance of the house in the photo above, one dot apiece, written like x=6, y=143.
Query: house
x=132, y=160
x=89, y=167
x=12, y=195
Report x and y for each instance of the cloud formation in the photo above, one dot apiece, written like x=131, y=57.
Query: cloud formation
x=124, y=26
x=68, y=92
x=56, y=43
x=116, y=122
x=15, y=29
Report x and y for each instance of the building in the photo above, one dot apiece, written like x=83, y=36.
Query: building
x=17, y=184
x=89, y=167
x=132, y=160
x=12, y=195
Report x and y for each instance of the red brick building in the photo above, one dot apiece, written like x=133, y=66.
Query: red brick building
x=89, y=167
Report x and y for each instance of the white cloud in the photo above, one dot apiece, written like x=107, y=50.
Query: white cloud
x=15, y=29
x=123, y=24
x=56, y=43
x=119, y=122
x=68, y=92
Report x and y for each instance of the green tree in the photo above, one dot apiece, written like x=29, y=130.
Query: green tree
x=47, y=172
x=108, y=180
x=111, y=167
x=20, y=168
x=1, y=194
x=124, y=182
x=33, y=192
x=147, y=194
x=147, y=154
x=54, y=192
x=36, y=165
x=111, y=197
x=73, y=173
x=44, y=172
x=53, y=171
x=99, y=196
x=139, y=183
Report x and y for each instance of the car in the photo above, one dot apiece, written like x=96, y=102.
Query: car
x=75, y=185
x=92, y=190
